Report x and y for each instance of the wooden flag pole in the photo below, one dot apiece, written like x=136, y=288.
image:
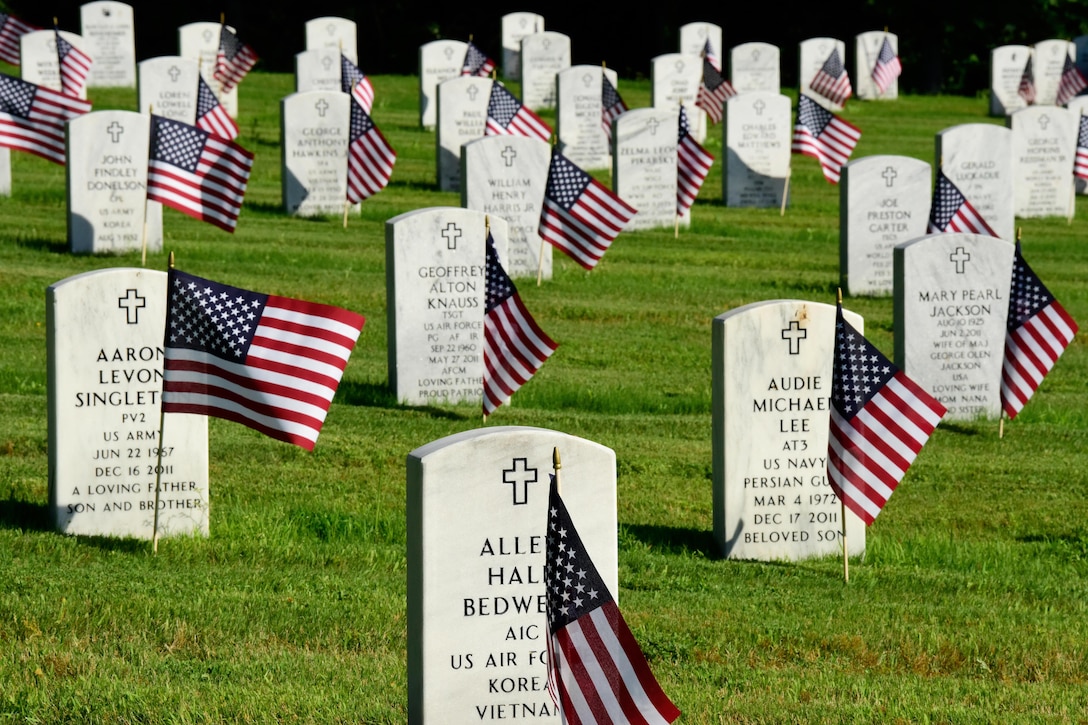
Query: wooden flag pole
x=785, y=192
x=842, y=513
x=158, y=465
x=557, y=464
x=143, y=237
x=676, y=222
x=540, y=258
x=487, y=233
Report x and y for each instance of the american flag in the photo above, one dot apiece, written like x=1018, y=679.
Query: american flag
x=832, y=81
x=1072, y=82
x=11, y=29
x=824, y=136
x=355, y=82
x=271, y=363
x=580, y=216
x=197, y=173
x=514, y=346
x=234, y=59
x=887, y=67
x=713, y=92
x=74, y=64
x=370, y=157
x=711, y=56
x=596, y=670
x=880, y=419
x=1080, y=164
x=210, y=114
x=1039, y=330
x=612, y=105
x=951, y=212
x=476, y=62
x=692, y=165
x=32, y=117
x=1026, y=89
x=507, y=117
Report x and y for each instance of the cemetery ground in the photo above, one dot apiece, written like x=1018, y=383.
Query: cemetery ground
x=970, y=605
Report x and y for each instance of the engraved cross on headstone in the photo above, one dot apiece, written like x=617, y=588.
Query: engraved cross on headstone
x=547, y=44
x=327, y=61
x=961, y=257
x=207, y=36
x=448, y=52
x=794, y=333
x=755, y=55
x=472, y=92
x=132, y=303
x=174, y=72
x=889, y=175
x=115, y=130
x=1044, y=121
x=519, y=478
x=451, y=234
x=330, y=29
x=321, y=107
x=508, y=155
x=759, y=105
x=652, y=124
x=679, y=66
x=587, y=80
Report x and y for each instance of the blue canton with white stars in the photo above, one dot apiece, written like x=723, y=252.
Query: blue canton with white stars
x=360, y=122
x=574, y=586
x=860, y=369
x=1029, y=295
x=499, y=286
x=833, y=65
x=1082, y=135
x=176, y=143
x=503, y=106
x=812, y=115
x=212, y=317
x=229, y=44
x=205, y=99
x=947, y=200
x=16, y=96
x=349, y=74
x=566, y=182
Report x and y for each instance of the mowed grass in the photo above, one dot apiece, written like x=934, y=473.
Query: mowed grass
x=971, y=604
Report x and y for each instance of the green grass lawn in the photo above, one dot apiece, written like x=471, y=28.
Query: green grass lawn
x=971, y=604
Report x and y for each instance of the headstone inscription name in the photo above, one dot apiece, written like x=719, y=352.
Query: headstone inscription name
x=507, y=176
x=644, y=166
x=462, y=117
x=200, y=42
x=1049, y=59
x=772, y=375
x=755, y=67
x=435, y=279
x=104, y=332
x=515, y=27
x=693, y=37
x=317, y=69
x=38, y=61
x=582, y=138
x=951, y=302
x=1044, y=144
x=332, y=33
x=439, y=61
x=675, y=79
x=168, y=87
x=314, y=128
x=109, y=36
x=106, y=180
x=977, y=158
x=1007, y=63
x=866, y=51
x=477, y=620
x=883, y=201
x=813, y=53
x=757, y=129
x=543, y=55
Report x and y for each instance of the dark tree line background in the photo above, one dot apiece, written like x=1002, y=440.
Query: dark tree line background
x=944, y=46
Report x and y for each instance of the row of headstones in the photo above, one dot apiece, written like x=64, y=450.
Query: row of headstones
x=1007, y=63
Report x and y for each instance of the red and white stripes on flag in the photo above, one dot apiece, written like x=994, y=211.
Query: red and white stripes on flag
x=887, y=67
x=1039, y=330
x=74, y=64
x=1026, y=89
x=210, y=114
x=514, y=345
x=580, y=216
x=268, y=362
x=612, y=105
x=713, y=92
x=355, y=82
x=197, y=173
x=824, y=136
x=693, y=163
x=477, y=62
x=506, y=116
x=370, y=157
x=596, y=671
x=951, y=212
x=1071, y=83
x=32, y=117
x=233, y=60
x=832, y=81
x=1080, y=163
x=11, y=29
x=880, y=419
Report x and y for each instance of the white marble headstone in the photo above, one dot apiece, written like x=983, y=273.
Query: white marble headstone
x=1079, y=107
x=582, y=138
x=477, y=506
x=200, y=42
x=317, y=69
x=693, y=37
x=1044, y=144
x=543, y=55
x=106, y=180
x=644, y=166
x=507, y=176
x=105, y=349
x=516, y=26
x=755, y=67
x=977, y=158
x=1007, y=63
x=1050, y=58
x=772, y=373
x=332, y=33
x=462, y=117
x=435, y=281
x=883, y=201
x=38, y=58
x=314, y=127
x=757, y=130
x=168, y=87
x=439, y=61
x=866, y=50
x=5, y=172
x=109, y=37
x=951, y=306
x=674, y=79
x=813, y=53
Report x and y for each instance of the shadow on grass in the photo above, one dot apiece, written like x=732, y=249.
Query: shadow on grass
x=380, y=396
x=960, y=428
x=44, y=245
x=675, y=539
x=23, y=515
